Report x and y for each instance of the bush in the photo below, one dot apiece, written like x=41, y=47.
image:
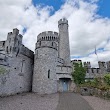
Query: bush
x=79, y=73
x=107, y=79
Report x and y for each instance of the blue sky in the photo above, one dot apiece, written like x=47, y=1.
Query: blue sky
x=55, y=3
x=103, y=10
x=87, y=29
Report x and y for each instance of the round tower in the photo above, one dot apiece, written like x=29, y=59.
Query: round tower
x=64, y=48
x=44, y=77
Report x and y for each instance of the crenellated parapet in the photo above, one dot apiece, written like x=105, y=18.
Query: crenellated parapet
x=87, y=64
x=43, y=44
x=102, y=66
x=13, y=42
x=76, y=61
x=47, y=39
x=14, y=33
x=48, y=36
x=62, y=21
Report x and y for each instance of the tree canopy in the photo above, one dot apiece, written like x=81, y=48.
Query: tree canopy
x=79, y=73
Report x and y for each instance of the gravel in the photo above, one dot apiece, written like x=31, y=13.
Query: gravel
x=29, y=101
x=97, y=103
x=62, y=101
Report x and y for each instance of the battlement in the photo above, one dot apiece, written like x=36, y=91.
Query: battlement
x=48, y=35
x=25, y=51
x=10, y=33
x=93, y=70
x=42, y=44
x=15, y=33
x=87, y=64
x=101, y=62
x=76, y=61
x=63, y=21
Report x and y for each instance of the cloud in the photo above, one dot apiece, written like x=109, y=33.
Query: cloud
x=87, y=29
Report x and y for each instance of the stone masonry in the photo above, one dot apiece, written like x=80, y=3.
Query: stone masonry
x=52, y=68
x=104, y=67
x=47, y=71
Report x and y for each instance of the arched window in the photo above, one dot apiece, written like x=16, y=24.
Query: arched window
x=48, y=74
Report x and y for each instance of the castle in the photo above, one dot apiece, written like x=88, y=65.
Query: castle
x=47, y=71
x=104, y=67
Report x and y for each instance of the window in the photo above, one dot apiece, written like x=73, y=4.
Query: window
x=10, y=49
x=52, y=43
x=48, y=74
x=40, y=43
x=7, y=49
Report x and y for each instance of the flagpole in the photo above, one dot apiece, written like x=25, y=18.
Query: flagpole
x=97, y=57
x=96, y=54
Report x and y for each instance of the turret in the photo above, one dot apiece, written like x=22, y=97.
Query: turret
x=87, y=64
x=13, y=42
x=102, y=66
x=46, y=53
x=64, y=48
x=108, y=66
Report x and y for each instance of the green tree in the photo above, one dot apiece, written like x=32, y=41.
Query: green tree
x=79, y=73
x=107, y=79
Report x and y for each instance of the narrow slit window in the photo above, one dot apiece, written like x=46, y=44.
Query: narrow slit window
x=52, y=43
x=48, y=74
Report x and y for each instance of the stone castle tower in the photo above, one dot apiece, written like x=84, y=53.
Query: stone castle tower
x=52, y=54
x=13, y=42
x=64, y=48
x=44, y=78
x=47, y=71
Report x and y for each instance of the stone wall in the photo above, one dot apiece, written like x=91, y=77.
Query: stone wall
x=18, y=77
x=17, y=60
x=44, y=77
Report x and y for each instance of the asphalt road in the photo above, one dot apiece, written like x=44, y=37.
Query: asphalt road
x=71, y=101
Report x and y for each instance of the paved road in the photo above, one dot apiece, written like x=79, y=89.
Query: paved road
x=71, y=101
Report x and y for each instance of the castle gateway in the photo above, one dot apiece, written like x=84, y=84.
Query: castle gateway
x=48, y=71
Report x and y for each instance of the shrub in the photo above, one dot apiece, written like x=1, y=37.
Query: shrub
x=107, y=79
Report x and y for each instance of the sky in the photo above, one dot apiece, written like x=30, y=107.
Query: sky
x=89, y=24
